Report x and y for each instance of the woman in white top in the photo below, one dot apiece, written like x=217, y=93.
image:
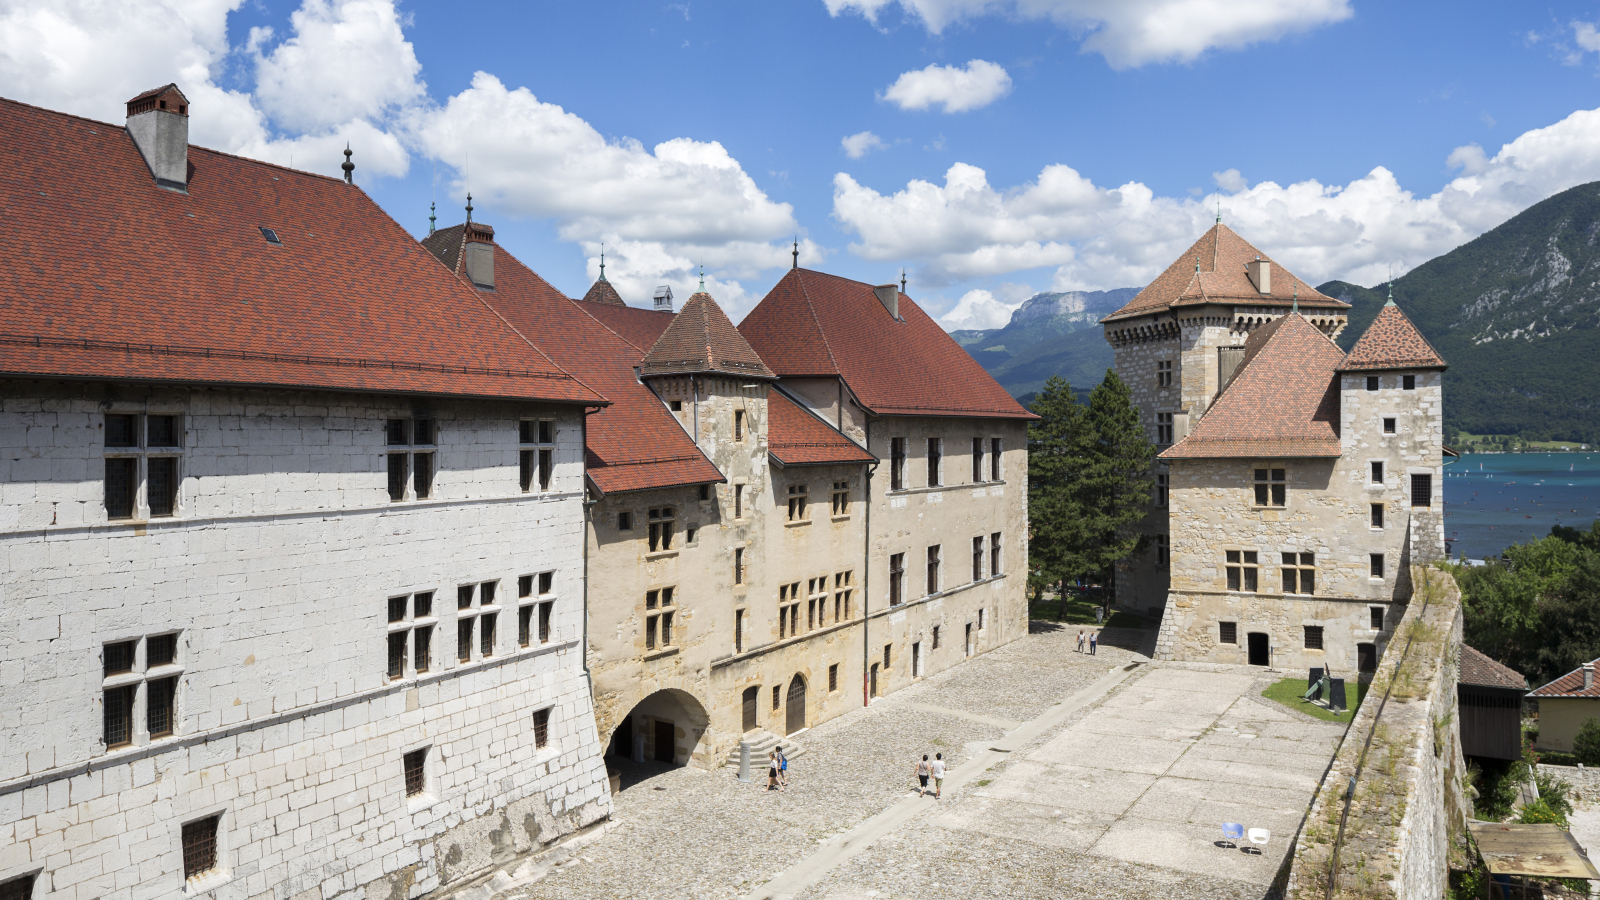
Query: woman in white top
x=936, y=769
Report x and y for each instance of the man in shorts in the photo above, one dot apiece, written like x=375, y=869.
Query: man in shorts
x=936, y=769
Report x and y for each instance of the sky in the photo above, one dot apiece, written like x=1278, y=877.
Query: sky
x=991, y=149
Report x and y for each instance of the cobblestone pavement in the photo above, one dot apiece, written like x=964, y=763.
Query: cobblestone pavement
x=688, y=833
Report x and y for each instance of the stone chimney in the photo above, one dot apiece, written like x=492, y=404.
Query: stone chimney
x=1588, y=676
x=1260, y=272
x=158, y=122
x=480, y=254
x=889, y=296
x=663, y=298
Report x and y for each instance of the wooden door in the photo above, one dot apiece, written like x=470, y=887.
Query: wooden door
x=1259, y=655
x=873, y=688
x=797, y=705
x=666, y=738
x=751, y=696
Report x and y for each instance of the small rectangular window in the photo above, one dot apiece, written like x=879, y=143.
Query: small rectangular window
x=464, y=640
x=935, y=644
x=547, y=583
x=675, y=405
x=933, y=569
x=705, y=492
x=841, y=498
x=117, y=659
x=1164, y=373
x=270, y=235
x=738, y=565
x=547, y=611
x=525, y=470
x=397, y=655
x=1366, y=658
x=1377, y=565
x=738, y=425
x=1377, y=473
x=1313, y=637
x=886, y=649
x=162, y=431
x=994, y=459
x=1227, y=632
x=122, y=474
x=1271, y=487
x=159, y=698
x=200, y=847
x=396, y=431
x=119, y=716
x=624, y=521
x=547, y=468
x=1377, y=617
x=423, y=463
x=994, y=555
x=897, y=464
x=935, y=461
x=798, y=494
x=977, y=460
x=464, y=596
x=423, y=654
x=1164, y=428
x=1388, y=425
x=738, y=631
x=524, y=626
x=397, y=609
x=897, y=573
x=1161, y=488
x=1372, y=382
x=422, y=605
x=916, y=659
x=1408, y=382
x=525, y=586
x=161, y=650
x=397, y=476
x=977, y=559
x=541, y=729
x=777, y=695
x=416, y=771
x=833, y=677
x=122, y=430
x=1421, y=489
x=738, y=501
x=17, y=888
x=486, y=635
x=422, y=431
x=1377, y=515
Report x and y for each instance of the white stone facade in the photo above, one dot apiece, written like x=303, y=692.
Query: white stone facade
x=276, y=575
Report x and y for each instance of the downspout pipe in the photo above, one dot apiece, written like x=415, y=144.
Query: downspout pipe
x=866, y=574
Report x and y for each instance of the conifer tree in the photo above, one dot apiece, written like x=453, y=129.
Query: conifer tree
x=1115, y=484
x=1058, y=445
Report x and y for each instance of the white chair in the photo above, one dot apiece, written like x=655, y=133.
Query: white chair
x=1259, y=836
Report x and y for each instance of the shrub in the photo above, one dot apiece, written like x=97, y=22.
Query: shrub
x=1540, y=813
x=1554, y=793
x=1586, y=747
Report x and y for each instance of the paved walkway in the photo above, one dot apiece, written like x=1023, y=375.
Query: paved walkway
x=1072, y=776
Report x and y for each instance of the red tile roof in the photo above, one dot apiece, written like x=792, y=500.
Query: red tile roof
x=602, y=292
x=702, y=340
x=1481, y=671
x=1570, y=685
x=1392, y=342
x=1282, y=402
x=635, y=444
x=107, y=276
x=1213, y=271
x=639, y=327
x=816, y=324
x=796, y=437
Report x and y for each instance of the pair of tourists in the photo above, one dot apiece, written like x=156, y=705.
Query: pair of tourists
x=1094, y=641
x=934, y=770
x=777, y=770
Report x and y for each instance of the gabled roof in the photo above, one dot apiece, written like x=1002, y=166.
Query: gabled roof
x=1570, y=685
x=1392, y=342
x=602, y=292
x=796, y=437
x=108, y=276
x=1282, y=402
x=1479, y=670
x=815, y=324
x=702, y=340
x=635, y=444
x=639, y=327
x=1213, y=271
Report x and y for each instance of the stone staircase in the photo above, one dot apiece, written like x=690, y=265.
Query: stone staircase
x=761, y=744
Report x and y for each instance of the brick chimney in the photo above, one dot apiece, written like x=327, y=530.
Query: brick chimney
x=158, y=122
x=1260, y=272
x=480, y=254
x=1588, y=676
x=889, y=296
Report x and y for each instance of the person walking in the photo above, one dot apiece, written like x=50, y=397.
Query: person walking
x=772, y=771
x=922, y=776
x=936, y=769
x=1094, y=642
x=783, y=769
x=1080, y=640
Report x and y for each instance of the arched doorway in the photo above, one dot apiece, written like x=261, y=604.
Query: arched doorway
x=796, y=719
x=752, y=697
x=662, y=730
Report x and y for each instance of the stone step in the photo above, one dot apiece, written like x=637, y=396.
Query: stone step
x=761, y=744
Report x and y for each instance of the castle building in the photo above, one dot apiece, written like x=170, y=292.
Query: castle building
x=1296, y=483
x=292, y=524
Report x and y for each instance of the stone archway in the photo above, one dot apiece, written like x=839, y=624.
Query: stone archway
x=664, y=728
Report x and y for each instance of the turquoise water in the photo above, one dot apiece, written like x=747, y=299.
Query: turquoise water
x=1495, y=500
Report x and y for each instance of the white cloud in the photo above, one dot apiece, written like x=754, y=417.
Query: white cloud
x=1130, y=33
x=982, y=309
x=346, y=61
x=956, y=89
x=1230, y=181
x=861, y=143
x=1100, y=237
x=1586, y=36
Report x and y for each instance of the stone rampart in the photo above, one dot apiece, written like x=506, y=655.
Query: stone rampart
x=1401, y=757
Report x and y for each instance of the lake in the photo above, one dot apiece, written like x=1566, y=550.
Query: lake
x=1498, y=499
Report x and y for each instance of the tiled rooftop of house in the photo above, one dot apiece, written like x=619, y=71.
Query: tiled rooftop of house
x=796, y=437
x=1570, y=685
x=1392, y=342
x=1478, y=669
x=701, y=340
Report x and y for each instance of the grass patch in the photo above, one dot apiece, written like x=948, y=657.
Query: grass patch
x=986, y=782
x=1073, y=609
x=1289, y=690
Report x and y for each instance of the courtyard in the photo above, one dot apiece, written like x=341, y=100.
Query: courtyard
x=1072, y=775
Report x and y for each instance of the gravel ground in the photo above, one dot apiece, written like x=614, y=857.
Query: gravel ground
x=688, y=833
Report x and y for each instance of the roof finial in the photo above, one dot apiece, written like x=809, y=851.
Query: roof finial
x=602, y=262
x=1295, y=307
x=469, y=207
x=1391, y=288
x=902, y=279
x=702, y=277
x=348, y=167
x=432, y=218
x=1197, y=264
x=796, y=253
x=1219, y=209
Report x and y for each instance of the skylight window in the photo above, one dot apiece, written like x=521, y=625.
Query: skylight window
x=271, y=236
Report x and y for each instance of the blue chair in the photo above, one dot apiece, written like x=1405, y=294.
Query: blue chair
x=1231, y=833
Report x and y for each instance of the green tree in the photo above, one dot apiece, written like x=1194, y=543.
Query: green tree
x=1057, y=454
x=1586, y=747
x=1115, y=487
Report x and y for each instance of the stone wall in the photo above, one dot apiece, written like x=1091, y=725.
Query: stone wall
x=1408, y=808
x=275, y=576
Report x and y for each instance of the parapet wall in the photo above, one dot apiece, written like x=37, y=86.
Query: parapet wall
x=1404, y=756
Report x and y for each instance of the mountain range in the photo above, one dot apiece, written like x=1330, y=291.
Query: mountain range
x=1515, y=313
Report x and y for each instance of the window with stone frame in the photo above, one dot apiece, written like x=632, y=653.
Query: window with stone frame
x=541, y=729
x=977, y=558
x=1164, y=373
x=411, y=624
x=1421, y=489
x=897, y=579
x=994, y=555
x=738, y=501
x=738, y=425
x=1272, y=487
x=738, y=631
x=842, y=591
x=200, y=846
x=625, y=521
x=841, y=498
x=833, y=677
x=1242, y=569
x=798, y=495
x=1227, y=632
x=660, y=609
x=1299, y=573
x=977, y=460
x=933, y=568
x=1375, y=565
x=139, y=672
x=19, y=888
x=662, y=520
x=738, y=565
x=1388, y=425
x=788, y=610
x=935, y=462
x=1375, y=617
x=143, y=453
x=1372, y=382
x=1163, y=428
x=935, y=645
x=537, y=437
x=995, y=446
x=1408, y=382
x=412, y=454
x=816, y=602
x=415, y=765
x=1313, y=637
x=1162, y=485
x=1377, y=471
x=535, y=598
x=1163, y=551
x=897, y=464
x=1377, y=515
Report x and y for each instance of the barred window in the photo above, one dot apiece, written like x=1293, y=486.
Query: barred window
x=1242, y=570
x=411, y=457
x=142, y=451
x=1377, y=515
x=1299, y=573
x=1313, y=637
x=541, y=729
x=1271, y=487
x=17, y=888
x=131, y=677
x=200, y=846
x=1227, y=632
x=833, y=677
x=416, y=771
x=1422, y=489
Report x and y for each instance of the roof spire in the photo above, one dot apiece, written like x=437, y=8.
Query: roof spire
x=1295, y=307
x=469, y=207
x=796, y=252
x=1197, y=264
x=602, y=262
x=902, y=279
x=348, y=167
x=1391, y=288
x=1219, y=209
x=702, y=277
x=432, y=209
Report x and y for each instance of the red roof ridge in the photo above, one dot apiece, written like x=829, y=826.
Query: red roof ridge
x=812, y=311
x=1570, y=684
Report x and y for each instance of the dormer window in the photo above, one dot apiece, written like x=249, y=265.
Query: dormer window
x=271, y=236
